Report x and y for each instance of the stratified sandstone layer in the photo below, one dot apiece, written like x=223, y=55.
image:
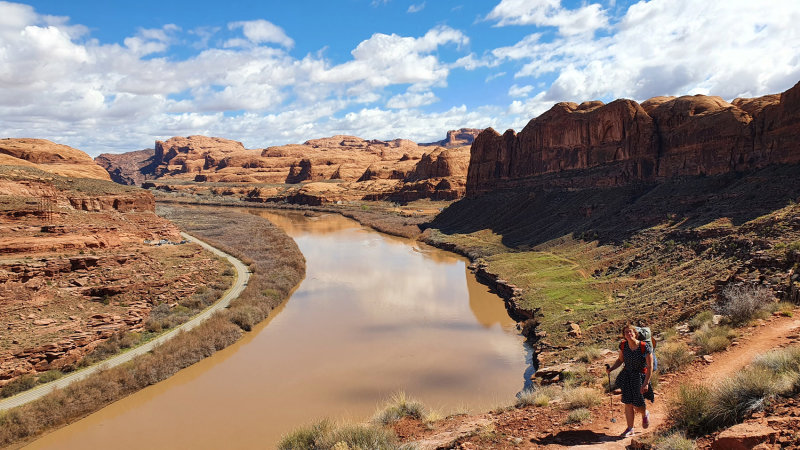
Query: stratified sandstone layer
x=349, y=167
x=599, y=145
x=457, y=138
x=131, y=168
x=50, y=157
x=79, y=262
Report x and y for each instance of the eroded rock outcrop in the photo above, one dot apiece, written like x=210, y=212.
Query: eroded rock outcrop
x=50, y=157
x=131, y=168
x=457, y=138
x=364, y=169
x=597, y=145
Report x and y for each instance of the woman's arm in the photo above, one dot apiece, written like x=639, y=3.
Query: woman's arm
x=617, y=363
x=649, y=373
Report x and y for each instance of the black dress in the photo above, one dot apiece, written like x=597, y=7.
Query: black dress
x=632, y=376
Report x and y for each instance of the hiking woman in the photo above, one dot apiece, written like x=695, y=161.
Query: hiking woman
x=634, y=379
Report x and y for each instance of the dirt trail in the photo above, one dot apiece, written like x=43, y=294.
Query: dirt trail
x=776, y=332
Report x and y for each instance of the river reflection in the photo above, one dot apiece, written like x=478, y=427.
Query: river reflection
x=375, y=315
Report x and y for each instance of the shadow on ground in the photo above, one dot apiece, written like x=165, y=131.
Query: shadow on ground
x=576, y=437
x=613, y=215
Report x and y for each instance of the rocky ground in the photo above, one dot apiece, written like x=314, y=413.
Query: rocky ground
x=83, y=260
x=509, y=427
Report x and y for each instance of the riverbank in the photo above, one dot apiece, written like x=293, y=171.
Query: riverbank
x=277, y=267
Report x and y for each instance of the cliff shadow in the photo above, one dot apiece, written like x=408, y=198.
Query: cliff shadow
x=526, y=218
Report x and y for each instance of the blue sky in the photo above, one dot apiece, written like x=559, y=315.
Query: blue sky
x=115, y=76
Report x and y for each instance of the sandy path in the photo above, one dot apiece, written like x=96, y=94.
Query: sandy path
x=239, y=283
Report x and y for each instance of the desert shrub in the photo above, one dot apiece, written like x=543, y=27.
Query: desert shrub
x=581, y=397
x=306, y=437
x=785, y=309
x=541, y=396
x=325, y=435
x=668, y=335
x=397, y=407
x=50, y=375
x=21, y=384
x=779, y=361
x=688, y=408
x=673, y=441
x=713, y=339
x=589, y=354
x=673, y=356
x=245, y=316
x=743, y=303
x=736, y=398
x=363, y=436
x=577, y=376
x=703, y=318
x=578, y=416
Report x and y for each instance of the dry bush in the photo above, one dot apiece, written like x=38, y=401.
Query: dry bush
x=398, y=407
x=541, y=396
x=581, y=397
x=689, y=406
x=673, y=441
x=744, y=303
x=703, y=318
x=578, y=416
x=673, y=356
x=713, y=339
x=325, y=435
x=589, y=354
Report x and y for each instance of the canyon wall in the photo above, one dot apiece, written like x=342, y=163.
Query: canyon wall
x=603, y=145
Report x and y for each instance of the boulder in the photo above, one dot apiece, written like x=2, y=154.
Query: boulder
x=744, y=437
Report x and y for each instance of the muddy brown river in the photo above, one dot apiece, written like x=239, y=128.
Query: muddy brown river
x=375, y=315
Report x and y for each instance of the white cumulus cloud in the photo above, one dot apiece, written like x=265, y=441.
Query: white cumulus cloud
x=262, y=31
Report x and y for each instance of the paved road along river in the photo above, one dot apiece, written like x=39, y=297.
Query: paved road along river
x=375, y=315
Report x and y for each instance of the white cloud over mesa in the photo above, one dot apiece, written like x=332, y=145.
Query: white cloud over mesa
x=57, y=82
x=661, y=47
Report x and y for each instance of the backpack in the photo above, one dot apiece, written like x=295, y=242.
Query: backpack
x=643, y=334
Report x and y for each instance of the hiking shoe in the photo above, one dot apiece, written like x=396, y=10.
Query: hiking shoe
x=628, y=432
x=646, y=420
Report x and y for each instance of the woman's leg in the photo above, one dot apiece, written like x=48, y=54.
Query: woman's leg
x=629, y=415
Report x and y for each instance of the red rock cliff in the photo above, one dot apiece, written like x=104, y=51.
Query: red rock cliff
x=593, y=144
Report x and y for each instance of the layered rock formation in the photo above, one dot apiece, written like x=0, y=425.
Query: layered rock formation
x=50, y=157
x=131, y=168
x=76, y=265
x=361, y=169
x=457, y=138
x=595, y=145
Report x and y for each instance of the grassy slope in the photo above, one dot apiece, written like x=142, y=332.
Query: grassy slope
x=606, y=256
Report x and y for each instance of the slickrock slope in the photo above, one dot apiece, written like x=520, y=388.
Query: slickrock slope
x=50, y=157
x=77, y=274
x=351, y=168
x=623, y=142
